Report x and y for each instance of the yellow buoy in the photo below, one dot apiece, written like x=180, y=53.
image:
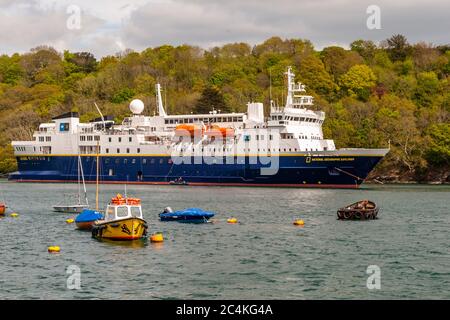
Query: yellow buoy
x=299, y=222
x=54, y=249
x=14, y=215
x=232, y=220
x=157, y=237
x=70, y=221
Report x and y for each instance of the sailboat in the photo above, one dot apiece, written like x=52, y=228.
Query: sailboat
x=86, y=219
x=78, y=207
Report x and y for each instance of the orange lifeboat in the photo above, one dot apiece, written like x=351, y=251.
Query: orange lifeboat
x=188, y=129
x=215, y=130
x=2, y=208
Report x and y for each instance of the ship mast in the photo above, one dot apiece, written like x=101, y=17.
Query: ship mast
x=161, y=111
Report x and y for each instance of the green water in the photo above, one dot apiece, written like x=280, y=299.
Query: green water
x=262, y=257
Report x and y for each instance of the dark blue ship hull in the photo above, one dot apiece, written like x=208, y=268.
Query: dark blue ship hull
x=340, y=171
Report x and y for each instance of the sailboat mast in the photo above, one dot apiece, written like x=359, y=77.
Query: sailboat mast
x=96, y=192
x=78, y=176
x=84, y=183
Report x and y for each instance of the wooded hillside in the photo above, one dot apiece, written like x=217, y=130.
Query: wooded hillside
x=373, y=93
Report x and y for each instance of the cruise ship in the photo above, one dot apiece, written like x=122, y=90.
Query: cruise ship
x=286, y=149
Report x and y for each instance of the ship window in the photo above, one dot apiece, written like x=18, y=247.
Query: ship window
x=122, y=212
x=133, y=161
x=144, y=161
x=130, y=139
x=120, y=139
x=118, y=150
x=107, y=150
x=128, y=150
x=117, y=161
x=97, y=138
x=138, y=150
x=41, y=139
x=89, y=138
x=152, y=161
x=109, y=139
x=161, y=161
x=125, y=161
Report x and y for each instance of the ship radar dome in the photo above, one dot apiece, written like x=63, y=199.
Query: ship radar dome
x=136, y=106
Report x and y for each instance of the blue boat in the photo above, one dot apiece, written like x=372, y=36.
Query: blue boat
x=86, y=219
x=191, y=215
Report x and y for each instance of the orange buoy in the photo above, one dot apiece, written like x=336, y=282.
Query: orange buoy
x=299, y=222
x=157, y=237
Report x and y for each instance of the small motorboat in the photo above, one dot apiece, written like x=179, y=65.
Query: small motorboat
x=123, y=220
x=2, y=208
x=178, y=182
x=86, y=219
x=192, y=215
x=361, y=210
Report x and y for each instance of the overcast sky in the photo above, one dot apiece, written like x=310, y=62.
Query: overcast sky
x=109, y=26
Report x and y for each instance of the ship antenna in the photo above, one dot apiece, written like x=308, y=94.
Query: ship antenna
x=101, y=115
x=270, y=85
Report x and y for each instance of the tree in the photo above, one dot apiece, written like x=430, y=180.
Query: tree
x=439, y=148
x=428, y=86
x=83, y=61
x=366, y=49
x=398, y=47
x=210, y=99
x=338, y=61
x=312, y=72
x=358, y=81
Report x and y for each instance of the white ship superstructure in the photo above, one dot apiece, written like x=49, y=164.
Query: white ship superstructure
x=293, y=131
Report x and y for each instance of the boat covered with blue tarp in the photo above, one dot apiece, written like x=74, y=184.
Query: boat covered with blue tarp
x=86, y=218
x=194, y=215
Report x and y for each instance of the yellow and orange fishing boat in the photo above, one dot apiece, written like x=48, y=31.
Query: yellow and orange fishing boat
x=123, y=220
x=2, y=208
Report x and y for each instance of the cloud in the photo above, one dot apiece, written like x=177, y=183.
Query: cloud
x=110, y=26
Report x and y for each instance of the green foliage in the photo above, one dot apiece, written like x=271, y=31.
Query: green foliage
x=358, y=81
x=372, y=94
x=438, y=151
x=398, y=47
x=428, y=86
x=211, y=99
x=123, y=95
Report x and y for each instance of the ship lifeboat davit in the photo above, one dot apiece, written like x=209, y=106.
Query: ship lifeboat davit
x=217, y=131
x=189, y=129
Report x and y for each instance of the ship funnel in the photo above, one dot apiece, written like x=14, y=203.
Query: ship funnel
x=161, y=110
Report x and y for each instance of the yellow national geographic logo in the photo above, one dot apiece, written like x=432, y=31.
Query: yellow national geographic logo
x=308, y=159
x=321, y=159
